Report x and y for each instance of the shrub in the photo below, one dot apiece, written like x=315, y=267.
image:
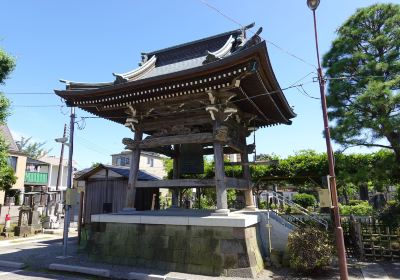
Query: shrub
x=262, y=205
x=310, y=250
x=305, y=200
x=390, y=215
x=361, y=209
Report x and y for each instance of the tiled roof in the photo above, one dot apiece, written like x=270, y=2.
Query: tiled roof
x=6, y=134
x=173, y=59
x=121, y=170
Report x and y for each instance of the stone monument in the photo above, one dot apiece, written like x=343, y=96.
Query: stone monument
x=50, y=221
x=23, y=228
x=34, y=221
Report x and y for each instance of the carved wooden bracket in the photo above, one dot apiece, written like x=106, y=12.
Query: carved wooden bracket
x=130, y=143
x=132, y=120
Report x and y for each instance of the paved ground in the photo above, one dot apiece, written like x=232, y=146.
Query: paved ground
x=18, y=274
x=39, y=252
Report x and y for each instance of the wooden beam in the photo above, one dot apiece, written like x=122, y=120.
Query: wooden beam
x=162, y=150
x=154, y=142
x=177, y=183
x=265, y=162
x=237, y=183
x=183, y=118
x=231, y=183
x=228, y=150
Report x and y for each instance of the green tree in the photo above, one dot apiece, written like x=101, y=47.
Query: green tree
x=34, y=150
x=7, y=178
x=363, y=67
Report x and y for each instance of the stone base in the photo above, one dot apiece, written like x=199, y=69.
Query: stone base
x=208, y=245
x=23, y=231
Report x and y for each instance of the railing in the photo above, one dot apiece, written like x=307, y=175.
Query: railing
x=36, y=178
x=299, y=209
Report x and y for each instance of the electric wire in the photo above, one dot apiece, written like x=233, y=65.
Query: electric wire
x=268, y=41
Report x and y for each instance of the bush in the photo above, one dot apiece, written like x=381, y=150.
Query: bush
x=305, y=200
x=390, y=215
x=310, y=250
x=262, y=205
x=361, y=209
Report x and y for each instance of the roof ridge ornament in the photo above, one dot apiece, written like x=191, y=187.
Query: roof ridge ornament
x=221, y=52
x=138, y=72
x=224, y=49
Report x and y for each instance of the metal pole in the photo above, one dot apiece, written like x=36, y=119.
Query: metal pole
x=69, y=179
x=60, y=165
x=338, y=228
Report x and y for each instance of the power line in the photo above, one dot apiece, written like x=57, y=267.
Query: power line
x=270, y=42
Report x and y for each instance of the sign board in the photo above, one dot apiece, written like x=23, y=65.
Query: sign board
x=324, y=198
x=191, y=159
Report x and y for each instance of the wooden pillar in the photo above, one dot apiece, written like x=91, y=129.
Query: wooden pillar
x=248, y=194
x=80, y=215
x=222, y=201
x=176, y=175
x=134, y=168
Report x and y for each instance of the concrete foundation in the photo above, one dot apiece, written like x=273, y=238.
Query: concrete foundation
x=190, y=242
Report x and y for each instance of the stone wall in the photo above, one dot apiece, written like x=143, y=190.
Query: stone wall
x=206, y=250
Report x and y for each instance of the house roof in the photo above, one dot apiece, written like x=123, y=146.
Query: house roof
x=35, y=161
x=121, y=170
x=55, y=161
x=6, y=134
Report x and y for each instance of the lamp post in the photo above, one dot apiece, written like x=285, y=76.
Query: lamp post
x=69, y=178
x=313, y=4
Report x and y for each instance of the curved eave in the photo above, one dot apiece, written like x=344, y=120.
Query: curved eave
x=279, y=97
x=257, y=52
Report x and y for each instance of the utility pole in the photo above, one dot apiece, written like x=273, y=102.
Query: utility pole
x=60, y=165
x=341, y=251
x=69, y=180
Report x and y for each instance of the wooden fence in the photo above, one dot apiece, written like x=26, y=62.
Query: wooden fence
x=371, y=241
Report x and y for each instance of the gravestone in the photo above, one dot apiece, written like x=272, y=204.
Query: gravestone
x=34, y=220
x=378, y=200
x=23, y=228
x=50, y=220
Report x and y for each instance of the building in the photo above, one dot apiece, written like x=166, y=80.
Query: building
x=52, y=169
x=198, y=98
x=17, y=160
x=104, y=190
x=151, y=163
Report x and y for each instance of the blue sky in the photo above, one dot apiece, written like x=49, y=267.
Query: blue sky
x=88, y=40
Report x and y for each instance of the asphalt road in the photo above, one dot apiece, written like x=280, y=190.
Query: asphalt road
x=18, y=274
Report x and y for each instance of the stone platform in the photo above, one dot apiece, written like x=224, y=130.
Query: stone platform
x=187, y=241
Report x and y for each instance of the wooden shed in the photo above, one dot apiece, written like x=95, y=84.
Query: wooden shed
x=105, y=190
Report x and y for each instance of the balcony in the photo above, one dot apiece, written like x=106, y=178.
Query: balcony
x=36, y=178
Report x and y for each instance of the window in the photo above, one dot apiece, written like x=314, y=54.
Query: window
x=126, y=160
x=118, y=161
x=150, y=161
x=12, y=161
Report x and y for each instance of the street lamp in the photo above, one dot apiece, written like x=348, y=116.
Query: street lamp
x=313, y=5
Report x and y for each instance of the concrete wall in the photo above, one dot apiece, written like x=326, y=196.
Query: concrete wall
x=206, y=250
x=19, y=172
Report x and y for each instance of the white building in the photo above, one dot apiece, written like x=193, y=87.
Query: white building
x=52, y=170
x=152, y=163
